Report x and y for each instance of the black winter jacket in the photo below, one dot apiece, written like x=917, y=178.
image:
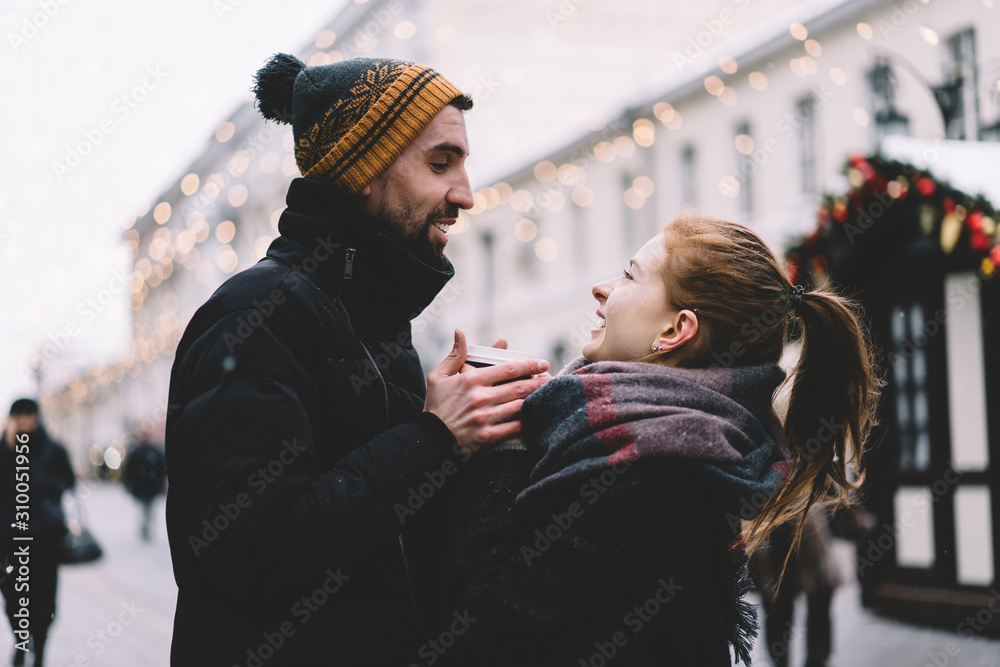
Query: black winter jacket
x=295, y=432
x=630, y=569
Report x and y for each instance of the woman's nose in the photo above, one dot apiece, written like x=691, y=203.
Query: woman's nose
x=601, y=291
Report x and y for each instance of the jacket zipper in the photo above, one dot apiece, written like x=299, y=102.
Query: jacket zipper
x=348, y=273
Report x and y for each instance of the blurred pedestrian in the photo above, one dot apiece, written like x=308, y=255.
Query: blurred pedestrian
x=34, y=471
x=812, y=569
x=300, y=425
x=145, y=477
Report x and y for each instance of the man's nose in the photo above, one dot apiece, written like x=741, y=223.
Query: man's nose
x=461, y=193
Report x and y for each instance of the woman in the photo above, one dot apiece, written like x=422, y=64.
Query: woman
x=34, y=465
x=614, y=532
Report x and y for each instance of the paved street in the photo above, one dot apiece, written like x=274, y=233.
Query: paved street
x=118, y=612
x=863, y=639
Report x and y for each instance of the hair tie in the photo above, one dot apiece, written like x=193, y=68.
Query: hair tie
x=795, y=296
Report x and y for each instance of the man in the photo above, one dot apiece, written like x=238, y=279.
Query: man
x=308, y=467
x=35, y=467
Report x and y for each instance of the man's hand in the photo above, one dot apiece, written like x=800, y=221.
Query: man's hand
x=464, y=398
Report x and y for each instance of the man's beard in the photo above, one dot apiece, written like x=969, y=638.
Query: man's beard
x=417, y=238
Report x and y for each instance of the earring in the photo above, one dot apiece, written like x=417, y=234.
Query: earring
x=656, y=348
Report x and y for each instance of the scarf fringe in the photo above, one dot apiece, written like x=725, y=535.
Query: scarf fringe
x=745, y=625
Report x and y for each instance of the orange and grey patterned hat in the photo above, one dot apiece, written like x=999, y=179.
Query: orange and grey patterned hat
x=351, y=119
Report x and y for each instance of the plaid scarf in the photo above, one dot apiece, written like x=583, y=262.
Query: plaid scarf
x=594, y=415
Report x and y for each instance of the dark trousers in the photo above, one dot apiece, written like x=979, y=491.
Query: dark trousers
x=778, y=627
x=44, y=554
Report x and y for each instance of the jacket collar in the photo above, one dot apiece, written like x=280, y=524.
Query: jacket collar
x=381, y=280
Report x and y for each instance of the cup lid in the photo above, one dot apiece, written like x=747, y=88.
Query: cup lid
x=493, y=355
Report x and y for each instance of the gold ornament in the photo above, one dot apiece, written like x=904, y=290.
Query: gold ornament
x=951, y=229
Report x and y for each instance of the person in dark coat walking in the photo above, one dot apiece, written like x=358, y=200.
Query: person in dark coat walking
x=811, y=568
x=614, y=534
x=309, y=465
x=145, y=477
x=34, y=472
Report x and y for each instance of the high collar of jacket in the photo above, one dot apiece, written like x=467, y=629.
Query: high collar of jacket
x=385, y=284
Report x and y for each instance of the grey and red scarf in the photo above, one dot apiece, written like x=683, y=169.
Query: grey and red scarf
x=594, y=415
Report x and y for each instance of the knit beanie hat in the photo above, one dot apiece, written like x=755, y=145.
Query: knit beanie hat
x=350, y=119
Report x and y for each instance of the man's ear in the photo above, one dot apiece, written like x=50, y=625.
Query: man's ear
x=367, y=191
x=682, y=329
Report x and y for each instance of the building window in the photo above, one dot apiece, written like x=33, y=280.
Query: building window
x=689, y=194
x=888, y=119
x=805, y=113
x=961, y=72
x=745, y=167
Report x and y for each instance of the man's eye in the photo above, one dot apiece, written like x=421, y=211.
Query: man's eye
x=439, y=166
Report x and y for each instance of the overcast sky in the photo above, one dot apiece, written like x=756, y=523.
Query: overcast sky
x=103, y=103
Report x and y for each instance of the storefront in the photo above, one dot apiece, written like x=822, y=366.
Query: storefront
x=922, y=254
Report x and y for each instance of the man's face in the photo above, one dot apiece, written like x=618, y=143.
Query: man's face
x=419, y=195
x=24, y=423
x=19, y=424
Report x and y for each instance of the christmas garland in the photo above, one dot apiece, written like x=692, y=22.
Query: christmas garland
x=894, y=210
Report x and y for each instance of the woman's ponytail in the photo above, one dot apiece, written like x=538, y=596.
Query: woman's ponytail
x=831, y=411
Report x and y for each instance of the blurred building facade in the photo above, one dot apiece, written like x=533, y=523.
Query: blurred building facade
x=221, y=213
x=748, y=111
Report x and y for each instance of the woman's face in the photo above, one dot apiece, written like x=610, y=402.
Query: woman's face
x=634, y=309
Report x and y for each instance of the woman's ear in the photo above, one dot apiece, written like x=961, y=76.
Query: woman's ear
x=682, y=328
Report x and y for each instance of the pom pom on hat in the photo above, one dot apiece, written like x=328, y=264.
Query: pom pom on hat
x=274, y=84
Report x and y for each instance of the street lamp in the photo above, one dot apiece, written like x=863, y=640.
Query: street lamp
x=947, y=95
